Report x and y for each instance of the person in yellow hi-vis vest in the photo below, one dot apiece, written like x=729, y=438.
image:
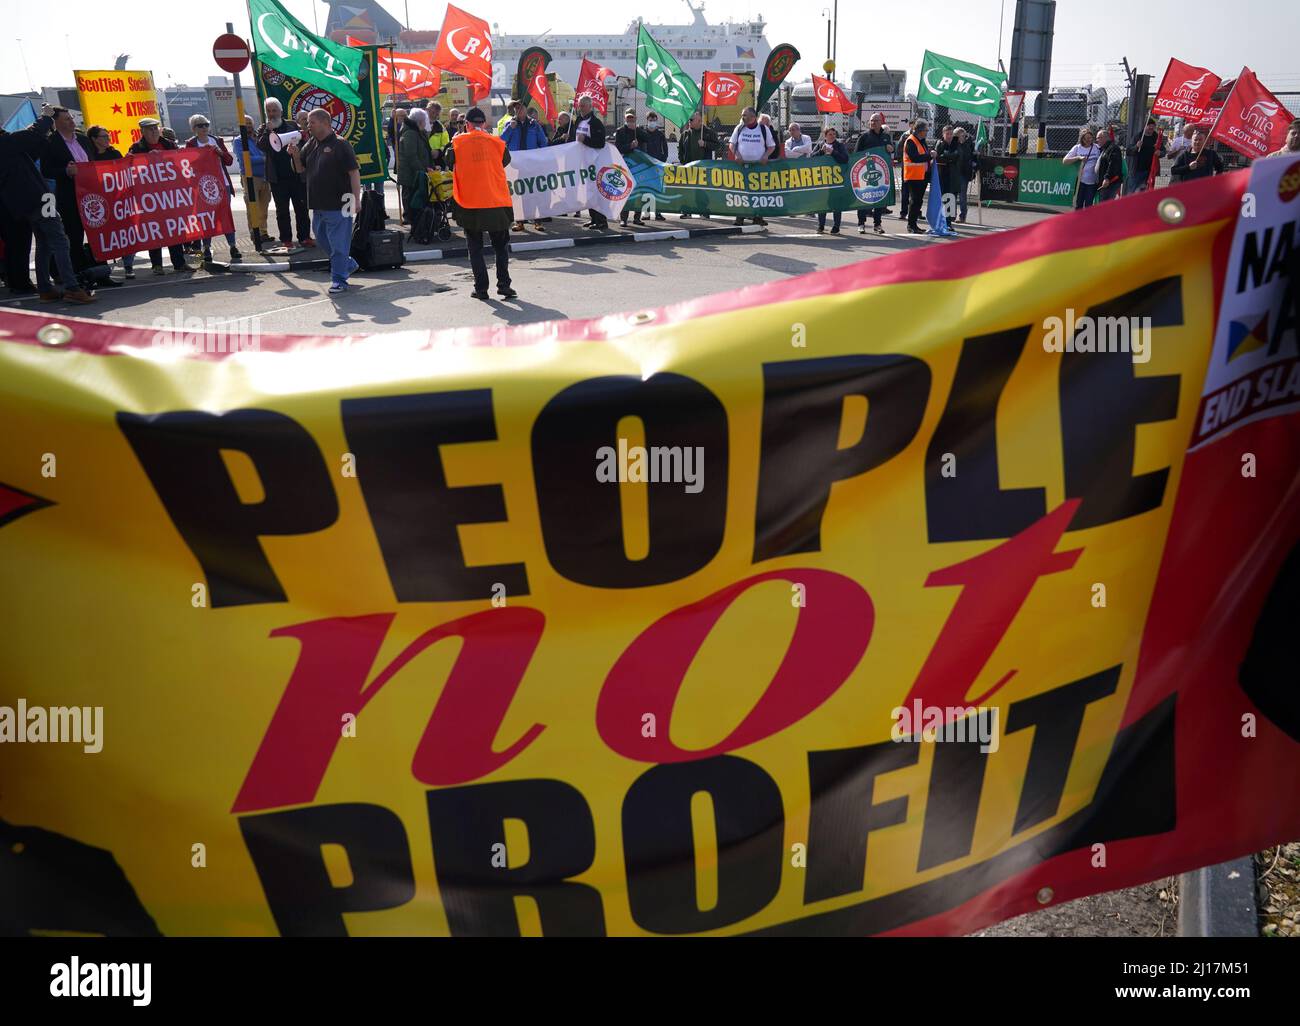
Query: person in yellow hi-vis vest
x=916, y=169
x=478, y=162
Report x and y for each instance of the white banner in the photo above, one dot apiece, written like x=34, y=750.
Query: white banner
x=568, y=178
x=1254, y=370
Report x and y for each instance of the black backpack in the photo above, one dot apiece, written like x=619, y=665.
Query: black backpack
x=370, y=218
x=425, y=226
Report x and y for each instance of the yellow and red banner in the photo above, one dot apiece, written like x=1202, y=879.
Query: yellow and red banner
x=117, y=100
x=880, y=600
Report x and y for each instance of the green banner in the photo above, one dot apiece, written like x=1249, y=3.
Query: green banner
x=961, y=85
x=284, y=43
x=1043, y=181
x=359, y=124
x=799, y=186
x=1047, y=182
x=667, y=88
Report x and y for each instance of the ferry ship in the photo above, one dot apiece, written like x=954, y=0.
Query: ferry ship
x=699, y=46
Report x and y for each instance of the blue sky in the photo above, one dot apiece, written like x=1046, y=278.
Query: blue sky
x=172, y=38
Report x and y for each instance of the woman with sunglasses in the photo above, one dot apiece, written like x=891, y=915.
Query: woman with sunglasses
x=200, y=125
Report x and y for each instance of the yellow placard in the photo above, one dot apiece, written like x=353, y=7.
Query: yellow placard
x=117, y=100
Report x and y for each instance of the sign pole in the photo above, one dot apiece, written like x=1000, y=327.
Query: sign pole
x=250, y=187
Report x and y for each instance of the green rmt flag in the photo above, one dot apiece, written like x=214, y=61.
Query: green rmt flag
x=961, y=85
x=667, y=88
x=283, y=43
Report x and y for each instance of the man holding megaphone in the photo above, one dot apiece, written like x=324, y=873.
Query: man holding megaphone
x=287, y=185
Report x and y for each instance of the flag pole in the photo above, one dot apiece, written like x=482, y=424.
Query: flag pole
x=246, y=159
x=397, y=156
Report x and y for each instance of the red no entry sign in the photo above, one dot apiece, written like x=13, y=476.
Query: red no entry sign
x=230, y=52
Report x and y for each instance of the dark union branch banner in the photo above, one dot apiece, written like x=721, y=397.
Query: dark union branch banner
x=800, y=186
x=360, y=124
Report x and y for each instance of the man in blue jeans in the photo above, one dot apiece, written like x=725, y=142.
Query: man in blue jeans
x=26, y=198
x=333, y=193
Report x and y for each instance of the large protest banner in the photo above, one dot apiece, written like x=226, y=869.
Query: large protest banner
x=389, y=631
x=799, y=186
x=117, y=100
x=152, y=200
x=567, y=178
x=361, y=125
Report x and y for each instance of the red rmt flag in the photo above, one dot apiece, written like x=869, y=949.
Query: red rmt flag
x=1253, y=121
x=465, y=48
x=1185, y=91
x=721, y=88
x=539, y=90
x=830, y=98
x=410, y=74
x=591, y=82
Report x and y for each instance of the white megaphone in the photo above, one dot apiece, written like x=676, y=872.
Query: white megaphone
x=279, y=140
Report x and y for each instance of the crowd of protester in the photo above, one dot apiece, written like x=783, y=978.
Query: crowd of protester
x=305, y=172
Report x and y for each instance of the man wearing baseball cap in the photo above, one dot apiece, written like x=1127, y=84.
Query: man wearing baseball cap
x=628, y=138
x=478, y=162
x=151, y=140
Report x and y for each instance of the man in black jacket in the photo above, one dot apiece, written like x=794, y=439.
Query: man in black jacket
x=628, y=138
x=697, y=142
x=64, y=150
x=875, y=137
x=970, y=167
x=1142, y=155
x=151, y=139
x=588, y=129
x=948, y=157
x=1198, y=162
x=1110, y=166
x=656, y=145
x=287, y=186
x=23, y=193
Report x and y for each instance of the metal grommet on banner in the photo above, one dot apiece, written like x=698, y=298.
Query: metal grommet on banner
x=643, y=317
x=1172, y=211
x=1045, y=895
x=54, y=335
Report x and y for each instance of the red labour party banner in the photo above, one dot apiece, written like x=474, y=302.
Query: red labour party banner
x=1253, y=121
x=148, y=201
x=1185, y=91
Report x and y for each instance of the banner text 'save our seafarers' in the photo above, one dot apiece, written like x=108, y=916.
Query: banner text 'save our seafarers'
x=486, y=669
x=799, y=186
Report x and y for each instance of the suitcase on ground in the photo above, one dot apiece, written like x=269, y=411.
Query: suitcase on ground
x=382, y=249
x=368, y=220
x=425, y=226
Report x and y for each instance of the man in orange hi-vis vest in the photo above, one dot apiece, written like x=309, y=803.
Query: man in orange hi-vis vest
x=482, y=196
x=917, y=156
